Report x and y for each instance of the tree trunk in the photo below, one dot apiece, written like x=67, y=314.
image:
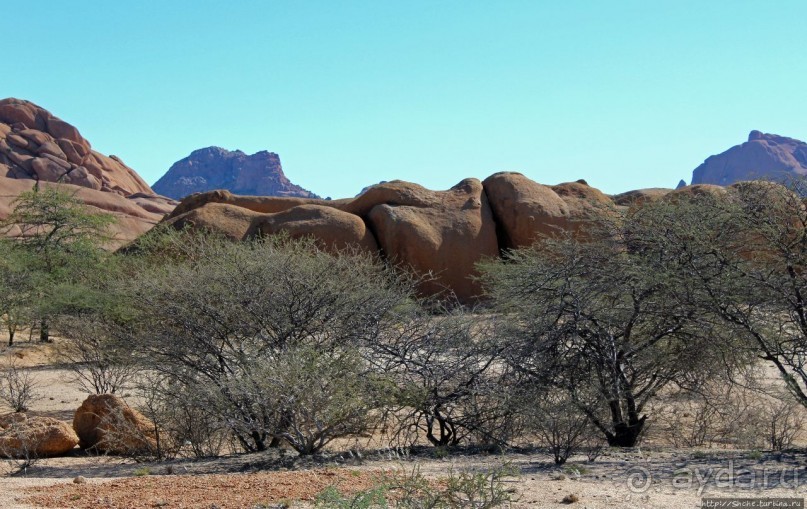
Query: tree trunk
x=258, y=439
x=626, y=434
x=44, y=336
x=10, y=336
x=445, y=429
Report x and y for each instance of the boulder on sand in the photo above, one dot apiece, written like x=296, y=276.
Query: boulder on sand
x=106, y=423
x=22, y=436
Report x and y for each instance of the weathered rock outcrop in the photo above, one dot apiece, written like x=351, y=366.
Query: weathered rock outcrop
x=444, y=233
x=440, y=233
x=262, y=204
x=37, y=146
x=34, y=144
x=583, y=199
x=242, y=217
x=696, y=190
x=524, y=209
x=763, y=156
x=35, y=437
x=222, y=218
x=212, y=168
x=106, y=423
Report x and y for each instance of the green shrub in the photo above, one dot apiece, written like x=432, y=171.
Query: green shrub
x=331, y=498
x=404, y=489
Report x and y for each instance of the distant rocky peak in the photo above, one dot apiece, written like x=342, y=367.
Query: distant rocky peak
x=763, y=156
x=210, y=168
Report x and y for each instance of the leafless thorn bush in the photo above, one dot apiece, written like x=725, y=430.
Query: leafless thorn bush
x=18, y=388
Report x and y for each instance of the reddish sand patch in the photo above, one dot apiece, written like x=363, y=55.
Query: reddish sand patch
x=233, y=491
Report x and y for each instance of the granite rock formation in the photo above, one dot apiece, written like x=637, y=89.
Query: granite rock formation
x=440, y=233
x=443, y=234
x=211, y=168
x=36, y=146
x=332, y=229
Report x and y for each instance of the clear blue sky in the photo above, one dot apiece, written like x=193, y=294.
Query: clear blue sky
x=624, y=94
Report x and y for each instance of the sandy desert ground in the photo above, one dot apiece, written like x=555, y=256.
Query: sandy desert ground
x=639, y=478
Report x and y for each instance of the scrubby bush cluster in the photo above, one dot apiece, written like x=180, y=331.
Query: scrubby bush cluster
x=643, y=319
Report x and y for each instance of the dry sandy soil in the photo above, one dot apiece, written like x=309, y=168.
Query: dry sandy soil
x=658, y=478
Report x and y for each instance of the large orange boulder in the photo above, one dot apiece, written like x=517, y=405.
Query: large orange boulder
x=153, y=203
x=585, y=203
x=443, y=234
x=527, y=211
x=440, y=235
x=106, y=423
x=38, y=437
x=331, y=228
x=394, y=193
x=222, y=218
x=697, y=190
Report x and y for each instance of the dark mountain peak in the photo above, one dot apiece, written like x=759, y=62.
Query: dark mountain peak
x=206, y=169
x=763, y=156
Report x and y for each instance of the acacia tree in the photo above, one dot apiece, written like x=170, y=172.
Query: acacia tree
x=16, y=288
x=447, y=379
x=61, y=239
x=266, y=334
x=763, y=284
x=749, y=264
x=607, y=323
